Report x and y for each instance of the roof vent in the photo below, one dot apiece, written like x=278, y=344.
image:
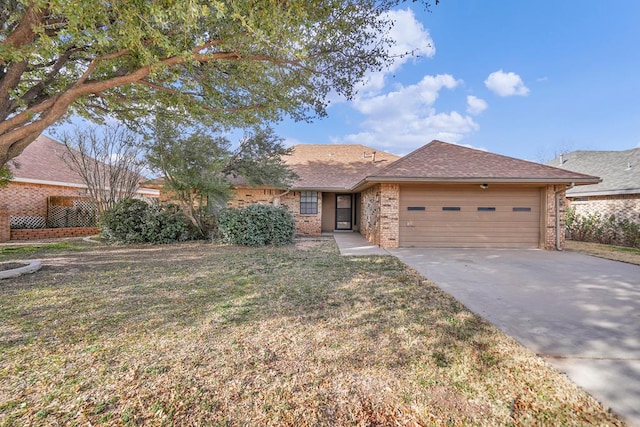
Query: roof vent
x=561, y=159
x=366, y=155
x=628, y=166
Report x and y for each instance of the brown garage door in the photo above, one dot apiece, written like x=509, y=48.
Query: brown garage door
x=469, y=216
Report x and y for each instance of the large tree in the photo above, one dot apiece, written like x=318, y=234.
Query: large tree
x=232, y=62
x=201, y=166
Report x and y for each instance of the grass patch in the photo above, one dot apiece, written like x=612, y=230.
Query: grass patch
x=40, y=248
x=615, y=253
x=195, y=334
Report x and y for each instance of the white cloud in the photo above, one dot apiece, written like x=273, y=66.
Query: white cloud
x=506, y=84
x=406, y=99
x=476, y=105
x=406, y=118
x=410, y=36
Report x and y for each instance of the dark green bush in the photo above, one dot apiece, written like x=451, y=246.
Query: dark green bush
x=136, y=221
x=257, y=225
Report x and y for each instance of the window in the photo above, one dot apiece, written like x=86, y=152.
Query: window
x=451, y=208
x=416, y=208
x=308, y=202
x=486, y=209
x=522, y=209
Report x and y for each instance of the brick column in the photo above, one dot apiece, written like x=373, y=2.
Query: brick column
x=389, y=215
x=5, y=224
x=554, y=213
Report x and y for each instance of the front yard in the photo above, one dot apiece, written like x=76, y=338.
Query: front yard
x=196, y=334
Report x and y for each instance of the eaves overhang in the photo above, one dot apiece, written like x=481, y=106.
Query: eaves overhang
x=370, y=180
x=579, y=193
x=140, y=190
x=323, y=189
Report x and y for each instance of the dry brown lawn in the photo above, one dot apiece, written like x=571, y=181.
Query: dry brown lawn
x=616, y=253
x=202, y=335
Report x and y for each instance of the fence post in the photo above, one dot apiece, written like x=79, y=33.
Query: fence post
x=5, y=224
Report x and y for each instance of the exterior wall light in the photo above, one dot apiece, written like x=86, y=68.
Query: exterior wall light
x=484, y=186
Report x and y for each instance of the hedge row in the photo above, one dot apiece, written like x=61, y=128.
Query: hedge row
x=608, y=230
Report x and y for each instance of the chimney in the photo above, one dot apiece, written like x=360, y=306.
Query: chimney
x=373, y=157
x=561, y=159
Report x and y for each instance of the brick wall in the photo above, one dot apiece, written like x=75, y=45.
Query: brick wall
x=389, y=215
x=5, y=224
x=53, y=233
x=549, y=226
x=370, y=218
x=623, y=206
x=25, y=199
x=307, y=225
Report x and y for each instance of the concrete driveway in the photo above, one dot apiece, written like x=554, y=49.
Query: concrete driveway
x=581, y=313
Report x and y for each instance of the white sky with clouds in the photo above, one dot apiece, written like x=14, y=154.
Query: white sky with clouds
x=518, y=78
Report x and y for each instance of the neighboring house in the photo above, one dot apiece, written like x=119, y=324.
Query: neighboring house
x=41, y=177
x=619, y=192
x=441, y=195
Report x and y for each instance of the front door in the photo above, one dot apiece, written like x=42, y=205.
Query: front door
x=343, y=212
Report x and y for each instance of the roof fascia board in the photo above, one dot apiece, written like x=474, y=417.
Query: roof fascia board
x=603, y=192
x=140, y=190
x=45, y=182
x=576, y=181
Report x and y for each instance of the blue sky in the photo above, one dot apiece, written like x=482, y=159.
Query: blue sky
x=522, y=78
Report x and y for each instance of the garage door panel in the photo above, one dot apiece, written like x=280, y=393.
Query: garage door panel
x=472, y=216
x=427, y=224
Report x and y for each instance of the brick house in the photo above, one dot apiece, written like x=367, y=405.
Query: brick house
x=441, y=195
x=619, y=192
x=40, y=176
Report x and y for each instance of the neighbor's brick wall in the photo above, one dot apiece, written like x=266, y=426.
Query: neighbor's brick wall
x=370, y=218
x=307, y=225
x=549, y=216
x=623, y=206
x=5, y=224
x=53, y=233
x=25, y=199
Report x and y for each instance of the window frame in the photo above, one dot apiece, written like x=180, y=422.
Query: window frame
x=308, y=203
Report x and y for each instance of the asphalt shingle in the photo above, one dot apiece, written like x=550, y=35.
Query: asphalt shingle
x=619, y=170
x=442, y=160
x=335, y=166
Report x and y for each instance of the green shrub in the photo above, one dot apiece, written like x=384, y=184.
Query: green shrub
x=631, y=232
x=136, y=221
x=256, y=225
x=592, y=227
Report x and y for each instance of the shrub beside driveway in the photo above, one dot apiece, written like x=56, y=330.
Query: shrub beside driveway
x=195, y=334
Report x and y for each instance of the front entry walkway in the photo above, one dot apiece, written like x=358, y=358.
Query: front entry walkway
x=354, y=244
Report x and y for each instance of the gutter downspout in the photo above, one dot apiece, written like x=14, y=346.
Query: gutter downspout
x=557, y=202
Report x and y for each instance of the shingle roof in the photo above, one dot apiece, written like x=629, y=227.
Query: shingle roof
x=335, y=166
x=442, y=161
x=41, y=161
x=619, y=170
